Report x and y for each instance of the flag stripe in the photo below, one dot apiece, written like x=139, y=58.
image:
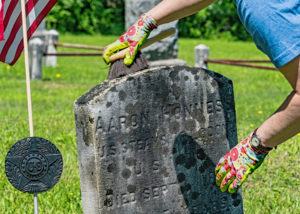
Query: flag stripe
x=8, y=10
x=17, y=27
x=1, y=20
x=36, y=10
x=16, y=36
x=8, y=23
x=12, y=22
x=35, y=24
x=11, y=36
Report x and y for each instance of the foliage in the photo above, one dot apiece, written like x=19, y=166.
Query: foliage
x=87, y=16
x=218, y=20
x=107, y=17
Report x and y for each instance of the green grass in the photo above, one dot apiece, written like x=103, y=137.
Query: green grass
x=273, y=188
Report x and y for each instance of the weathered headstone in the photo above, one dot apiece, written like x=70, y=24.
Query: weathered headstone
x=164, y=49
x=148, y=143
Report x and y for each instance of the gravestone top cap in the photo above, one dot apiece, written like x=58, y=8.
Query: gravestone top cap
x=98, y=90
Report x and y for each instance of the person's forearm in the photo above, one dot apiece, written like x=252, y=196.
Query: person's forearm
x=171, y=10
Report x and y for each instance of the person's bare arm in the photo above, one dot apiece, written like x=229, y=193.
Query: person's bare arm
x=171, y=10
x=166, y=11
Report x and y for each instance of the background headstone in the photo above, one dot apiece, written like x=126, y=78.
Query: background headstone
x=164, y=49
x=201, y=53
x=42, y=41
x=148, y=143
x=50, y=38
x=36, y=47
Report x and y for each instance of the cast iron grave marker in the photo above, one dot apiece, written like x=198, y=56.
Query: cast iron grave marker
x=33, y=165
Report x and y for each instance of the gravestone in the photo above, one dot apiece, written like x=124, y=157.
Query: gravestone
x=201, y=53
x=36, y=47
x=162, y=50
x=148, y=143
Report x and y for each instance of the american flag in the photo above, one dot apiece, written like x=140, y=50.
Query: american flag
x=11, y=32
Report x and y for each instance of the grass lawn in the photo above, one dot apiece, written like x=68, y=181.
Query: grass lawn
x=273, y=188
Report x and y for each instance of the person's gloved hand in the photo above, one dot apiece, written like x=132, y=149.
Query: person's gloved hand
x=133, y=38
x=234, y=167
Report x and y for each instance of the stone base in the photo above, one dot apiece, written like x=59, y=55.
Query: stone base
x=166, y=62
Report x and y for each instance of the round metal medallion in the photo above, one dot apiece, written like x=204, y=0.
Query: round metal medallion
x=33, y=165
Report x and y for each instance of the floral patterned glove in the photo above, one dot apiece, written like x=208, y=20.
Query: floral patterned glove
x=133, y=38
x=234, y=167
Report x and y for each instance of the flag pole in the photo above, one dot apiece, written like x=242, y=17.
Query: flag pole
x=25, y=41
